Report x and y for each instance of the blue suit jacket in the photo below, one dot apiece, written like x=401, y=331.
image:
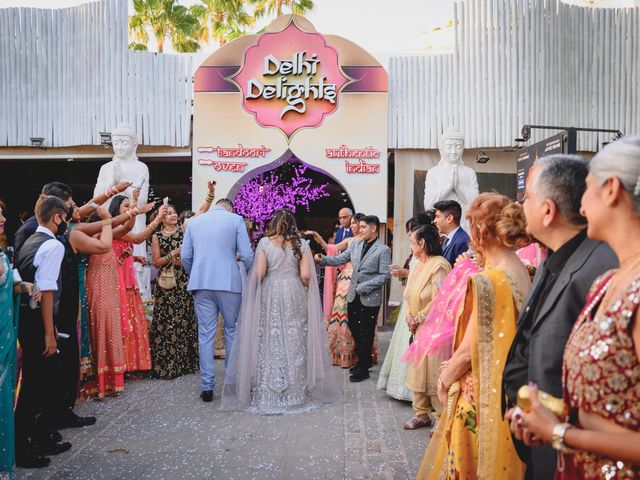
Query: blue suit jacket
x=210, y=248
x=458, y=244
x=342, y=233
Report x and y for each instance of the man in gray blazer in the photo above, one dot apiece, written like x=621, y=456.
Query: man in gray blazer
x=552, y=207
x=212, y=243
x=370, y=259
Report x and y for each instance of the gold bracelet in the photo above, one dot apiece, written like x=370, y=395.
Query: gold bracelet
x=209, y=198
x=107, y=221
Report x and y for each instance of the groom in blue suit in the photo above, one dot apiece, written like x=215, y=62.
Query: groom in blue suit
x=447, y=219
x=212, y=243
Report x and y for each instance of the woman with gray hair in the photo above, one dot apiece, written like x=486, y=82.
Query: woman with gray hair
x=602, y=359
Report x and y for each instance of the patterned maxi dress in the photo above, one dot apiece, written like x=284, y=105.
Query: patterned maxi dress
x=133, y=320
x=341, y=343
x=174, y=330
x=281, y=375
x=9, y=309
x=87, y=372
x=393, y=374
x=471, y=439
x=105, y=331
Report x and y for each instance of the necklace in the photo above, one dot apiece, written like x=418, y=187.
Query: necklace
x=501, y=258
x=168, y=233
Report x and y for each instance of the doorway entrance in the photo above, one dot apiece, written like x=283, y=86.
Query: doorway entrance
x=314, y=195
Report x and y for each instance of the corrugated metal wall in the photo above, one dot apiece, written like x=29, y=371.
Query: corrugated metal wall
x=66, y=75
x=520, y=62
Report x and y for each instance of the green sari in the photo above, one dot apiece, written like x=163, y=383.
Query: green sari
x=9, y=309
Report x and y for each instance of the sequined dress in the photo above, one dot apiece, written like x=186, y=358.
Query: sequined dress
x=281, y=374
x=133, y=320
x=105, y=331
x=601, y=375
x=87, y=372
x=174, y=330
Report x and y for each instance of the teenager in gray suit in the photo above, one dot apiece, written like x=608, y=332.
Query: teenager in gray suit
x=370, y=259
x=559, y=290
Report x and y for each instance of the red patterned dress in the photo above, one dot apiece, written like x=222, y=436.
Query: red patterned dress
x=135, y=330
x=105, y=332
x=602, y=376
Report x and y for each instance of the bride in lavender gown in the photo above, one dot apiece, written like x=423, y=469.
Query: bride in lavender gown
x=279, y=359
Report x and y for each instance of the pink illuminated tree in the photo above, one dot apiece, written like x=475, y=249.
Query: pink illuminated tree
x=259, y=198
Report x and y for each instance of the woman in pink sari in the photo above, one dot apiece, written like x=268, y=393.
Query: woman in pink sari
x=436, y=335
x=133, y=321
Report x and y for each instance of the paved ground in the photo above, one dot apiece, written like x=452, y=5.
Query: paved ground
x=162, y=430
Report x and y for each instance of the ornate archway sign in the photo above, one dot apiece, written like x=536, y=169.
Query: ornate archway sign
x=322, y=98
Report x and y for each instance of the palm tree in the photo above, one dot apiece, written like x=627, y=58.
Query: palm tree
x=270, y=6
x=164, y=18
x=221, y=20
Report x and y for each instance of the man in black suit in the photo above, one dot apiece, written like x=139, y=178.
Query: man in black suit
x=447, y=219
x=559, y=290
x=59, y=413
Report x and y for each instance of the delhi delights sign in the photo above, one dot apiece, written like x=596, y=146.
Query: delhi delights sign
x=290, y=80
x=291, y=92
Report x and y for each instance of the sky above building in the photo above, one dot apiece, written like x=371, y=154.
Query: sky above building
x=379, y=26
x=401, y=26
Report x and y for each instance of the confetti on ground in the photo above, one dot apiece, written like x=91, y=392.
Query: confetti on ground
x=160, y=429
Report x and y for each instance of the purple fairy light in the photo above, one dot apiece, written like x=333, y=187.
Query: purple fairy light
x=258, y=199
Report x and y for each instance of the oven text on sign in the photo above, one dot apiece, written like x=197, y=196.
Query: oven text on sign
x=223, y=166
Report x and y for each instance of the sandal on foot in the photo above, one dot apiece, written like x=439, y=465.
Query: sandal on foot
x=415, y=423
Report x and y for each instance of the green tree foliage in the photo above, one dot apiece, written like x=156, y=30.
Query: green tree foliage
x=190, y=28
x=165, y=19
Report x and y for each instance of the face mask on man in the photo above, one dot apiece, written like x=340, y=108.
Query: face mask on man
x=62, y=227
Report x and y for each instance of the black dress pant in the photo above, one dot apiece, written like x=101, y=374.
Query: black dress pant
x=66, y=389
x=362, y=323
x=38, y=379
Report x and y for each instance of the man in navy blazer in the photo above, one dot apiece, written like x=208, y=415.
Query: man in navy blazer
x=447, y=219
x=344, y=230
x=212, y=243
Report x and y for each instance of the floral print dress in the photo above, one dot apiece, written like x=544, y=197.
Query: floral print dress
x=174, y=330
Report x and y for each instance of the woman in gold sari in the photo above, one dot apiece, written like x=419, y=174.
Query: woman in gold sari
x=472, y=441
x=425, y=278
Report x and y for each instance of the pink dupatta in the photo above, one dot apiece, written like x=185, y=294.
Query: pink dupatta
x=438, y=330
x=532, y=255
x=436, y=334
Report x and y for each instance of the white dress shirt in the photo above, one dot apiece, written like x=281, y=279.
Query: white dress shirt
x=47, y=261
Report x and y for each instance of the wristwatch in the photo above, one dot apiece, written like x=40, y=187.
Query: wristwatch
x=557, y=437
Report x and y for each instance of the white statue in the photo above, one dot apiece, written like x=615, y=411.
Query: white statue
x=125, y=166
x=451, y=179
